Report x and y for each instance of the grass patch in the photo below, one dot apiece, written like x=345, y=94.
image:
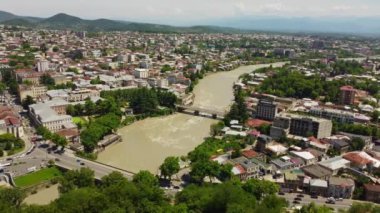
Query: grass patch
x=80, y=120
x=37, y=177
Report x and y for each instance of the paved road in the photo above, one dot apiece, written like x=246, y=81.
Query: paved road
x=73, y=163
x=345, y=204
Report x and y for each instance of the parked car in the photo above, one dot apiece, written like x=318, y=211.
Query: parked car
x=281, y=193
x=300, y=195
x=314, y=196
x=296, y=202
x=298, y=198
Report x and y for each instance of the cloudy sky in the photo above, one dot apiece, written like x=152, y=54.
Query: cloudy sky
x=191, y=11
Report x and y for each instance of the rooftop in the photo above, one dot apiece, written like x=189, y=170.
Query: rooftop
x=316, y=171
x=334, y=163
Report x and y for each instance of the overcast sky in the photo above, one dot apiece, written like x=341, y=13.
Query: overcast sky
x=191, y=11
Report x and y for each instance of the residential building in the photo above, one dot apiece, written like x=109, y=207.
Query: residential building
x=317, y=171
x=10, y=122
x=340, y=187
x=318, y=187
x=347, y=95
x=251, y=169
x=300, y=126
x=266, y=109
x=307, y=157
x=81, y=95
x=43, y=65
x=335, y=164
x=293, y=180
x=372, y=192
x=141, y=73
x=33, y=91
x=340, y=116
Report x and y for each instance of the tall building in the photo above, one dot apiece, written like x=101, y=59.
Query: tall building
x=347, y=95
x=266, y=109
x=43, y=66
x=300, y=126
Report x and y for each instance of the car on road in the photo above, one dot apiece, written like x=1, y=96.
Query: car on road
x=296, y=202
x=78, y=160
x=300, y=195
x=57, y=159
x=330, y=201
x=298, y=198
x=340, y=199
x=281, y=193
x=82, y=163
x=314, y=196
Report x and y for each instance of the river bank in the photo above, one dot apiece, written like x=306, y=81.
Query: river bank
x=146, y=143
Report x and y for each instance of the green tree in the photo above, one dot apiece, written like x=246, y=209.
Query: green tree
x=375, y=116
x=77, y=179
x=55, y=49
x=260, y=188
x=11, y=197
x=204, y=168
x=47, y=80
x=145, y=178
x=114, y=178
x=357, y=144
x=170, y=167
x=312, y=208
x=28, y=100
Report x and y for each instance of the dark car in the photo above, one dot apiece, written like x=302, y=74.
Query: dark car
x=314, y=196
x=298, y=198
x=296, y=202
x=300, y=195
x=281, y=193
x=82, y=163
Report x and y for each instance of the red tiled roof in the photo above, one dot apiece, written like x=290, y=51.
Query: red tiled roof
x=372, y=187
x=256, y=122
x=356, y=158
x=68, y=132
x=240, y=168
x=347, y=88
x=249, y=154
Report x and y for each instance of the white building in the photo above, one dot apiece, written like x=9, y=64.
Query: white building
x=43, y=114
x=43, y=65
x=141, y=73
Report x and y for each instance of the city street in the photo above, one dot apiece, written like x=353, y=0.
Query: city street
x=345, y=204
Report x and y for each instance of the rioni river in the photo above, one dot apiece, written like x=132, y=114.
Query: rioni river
x=148, y=142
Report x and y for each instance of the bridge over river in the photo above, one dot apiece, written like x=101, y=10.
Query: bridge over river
x=201, y=111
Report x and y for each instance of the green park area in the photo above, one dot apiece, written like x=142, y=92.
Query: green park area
x=37, y=177
x=80, y=120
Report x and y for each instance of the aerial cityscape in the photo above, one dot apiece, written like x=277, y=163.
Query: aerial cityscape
x=212, y=106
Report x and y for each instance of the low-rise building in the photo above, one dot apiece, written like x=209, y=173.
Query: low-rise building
x=335, y=164
x=317, y=171
x=32, y=91
x=43, y=114
x=372, y=192
x=318, y=187
x=307, y=157
x=340, y=187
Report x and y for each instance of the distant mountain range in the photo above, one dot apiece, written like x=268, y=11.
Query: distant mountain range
x=346, y=25
x=244, y=24
x=63, y=21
